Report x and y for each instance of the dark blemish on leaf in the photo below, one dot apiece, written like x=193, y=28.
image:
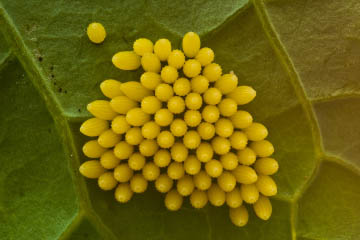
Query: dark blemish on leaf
x=79, y=110
x=60, y=90
x=51, y=68
x=54, y=83
x=40, y=59
x=65, y=91
x=52, y=76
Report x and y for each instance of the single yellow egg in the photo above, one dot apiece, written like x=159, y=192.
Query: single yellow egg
x=107, y=181
x=266, y=185
x=192, y=165
x=142, y=46
x=182, y=86
x=165, y=139
x=176, y=59
x=133, y=136
x=138, y=183
x=227, y=107
x=148, y=147
x=214, y=168
x=164, y=92
x=204, y=152
x=127, y=60
x=164, y=183
x=173, y=200
x=216, y=195
x=262, y=148
x=123, y=173
x=256, y=132
x=179, y=152
x=185, y=185
x=150, y=130
x=246, y=156
x=169, y=74
x=202, y=180
x=266, y=166
x=198, y=199
x=162, y=49
x=241, y=119
x=91, y=169
x=136, y=161
x=96, y=32
x=205, y=56
x=212, y=96
x=245, y=174
x=122, y=104
x=239, y=216
x=199, y=84
x=224, y=127
x=220, y=145
x=92, y=149
x=193, y=101
x=176, y=104
x=242, y=95
x=135, y=90
x=212, y=72
x=178, y=127
x=192, y=68
x=123, y=193
x=163, y=117
x=94, y=127
x=108, y=160
x=191, y=139
x=229, y=161
x=249, y=193
x=192, y=118
x=150, y=171
x=137, y=117
x=206, y=130
x=162, y=158
x=175, y=170
x=111, y=88
x=227, y=83
x=123, y=150
x=150, y=80
x=210, y=113
x=263, y=208
x=101, y=109
x=119, y=124
x=233, y=198
x=109, y=139
x=150, y=62
x=226, y=181
x=238, y=140
x=191, y=44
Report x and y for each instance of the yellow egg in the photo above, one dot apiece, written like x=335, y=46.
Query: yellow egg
x=150, y=171
x=101, y=109
x=226, y=181
x=123, y=173
x=204, y=152
x=162, y=158
x=202, y=180
x=233, y=198
x=165, y=139
x=192, y=68
x=227, y=107
x=182, y=86
x=229, y=161
x=136, y=161
x=191, y=139
x=205, y=56
x=91, y=169
x=162, y=49
x=176, y=104
x=122, y=104
x=111, y=88
x=148, y=147
x=210, y=113
x=178, y=127
x=227, y=83
x=169, y=74
x=239, y=216
x=224, y=127
x=266, y=185
x=241, y=119
x=173, y=200
x=133, y=136
x=179, y=152
x=150, y=62
x=163, y=117
x=96, y=32
x=119, y=124
x=138, y=183
x=123, y=193
x=107, y=181
x=108, y=160
x=163, y=183
x=249, y=193
x=193, y=101
x=192, y=165
x=137, y=117
x=214, y=168
x=142, y=46
x=206, y=130
x=246, y=156
x=242, y=94
x=164, y=92
x=92, y=149
x=238, y=140
x=123, y=150
x=220, y=145
x=192, y=118
x=127, y=60
x=198, y=199
x=199, y=84
x=191, y=44
x=216, y=195
x=109, y=139
x=262, y=148
x=212, y=96
x=150, y=130
x=150, y=80
x=176, y=59
x=212, y=72
x=185, y=185
x=135, y=90
x=256, y=132
x=245, y=174
x=266, y=166
x=263, y=208
x=175, y=170
x=94, y=127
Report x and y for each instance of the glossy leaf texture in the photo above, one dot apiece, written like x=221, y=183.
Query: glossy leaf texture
x=302, y=58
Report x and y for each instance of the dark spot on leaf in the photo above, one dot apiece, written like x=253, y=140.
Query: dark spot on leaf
x=51, y=68
x=52, y=76
x=60, y=90
x=40, y=59
x=79, y=110
x=65, y=91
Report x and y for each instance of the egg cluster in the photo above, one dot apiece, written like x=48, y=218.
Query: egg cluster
x=184, y=130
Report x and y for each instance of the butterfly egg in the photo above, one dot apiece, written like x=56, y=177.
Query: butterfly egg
x=193, y=101
x=94, y=127
x=198, y=199
x=206, y=130
x=163, y=117
x=173, y=200
x=123, y=150
x=262, y=148
x=176, y=104
x=92, y=149
x=185, y=185
x=122, y=104
x=191, y=44
x=148, y=147
x=107, y=181
x=241, y=119
x=182, y=86
x=164, y=92
x=249, y=193
x=150, y=130
x=192, y=68
x=150, y=63
x=169, y=74
x=212, y=72
x=229, y=161
x=256, y=132
x=135, y=91
x=202, y=181
x=111, y=88
x=227, y=107
x=245, y=174
x=101, y=109
x=199, y=84
x=263, y=208
x=242, y=95
x=227, y=83
x=212, y=96
x=133, y=136
x=179, y=152
x=191, y=139
x=138, y=183
x=164, y=183
x=204, y=152
x=150, y=104
x=150, y=80
x=142, y=46
x=175, y=170
x=176, y=59
x=192, y=118
x=224, y=127
x=266, y=185
x=246, y=156
x=165, y=139
x=238, y=140
x=266, y=166
x=192, y=165
x=210, y=113
x=91, y=169
x=205, y=56
x=126, y=60
x=123, y=173
x=136, y=161
x=226, y=181
x=123, y=193
x=233, y=198
x=137, y=117
x=119, y=124
x=239, y=216
x=214, y=168
x=108, y=160
x=96, y=32
x=178, y=127
x=216, y=195
x=220, y=145
x=162, y=49
x=109, y=139
x=162, y=158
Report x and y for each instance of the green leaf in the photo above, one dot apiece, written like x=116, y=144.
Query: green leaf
x=300, y=56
